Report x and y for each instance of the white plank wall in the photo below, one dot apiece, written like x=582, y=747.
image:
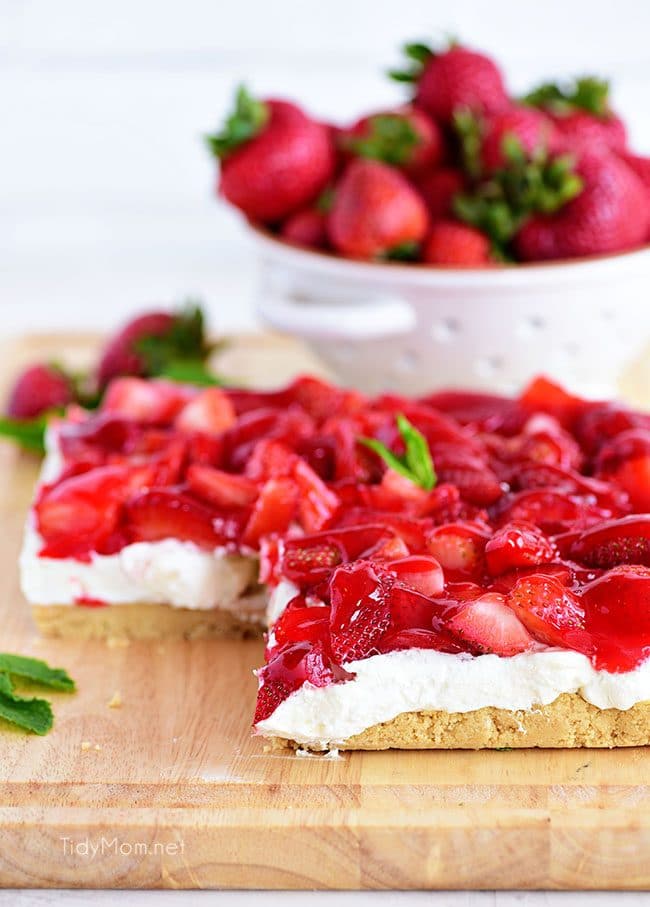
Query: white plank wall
x=105, y=188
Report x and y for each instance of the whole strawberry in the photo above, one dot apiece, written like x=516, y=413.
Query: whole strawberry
x=532, y=129
x=149, y=342
x=610, y=214
x=38, y=389
x=456, y=79
x=438, y=189
x=458, y=245
x=641, y=166
x=582, y=114
x=376, y=212
x=306, y=227
x=406, y=138
x=274, y=158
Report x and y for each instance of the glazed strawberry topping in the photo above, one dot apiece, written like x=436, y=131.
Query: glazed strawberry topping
x=536, y=532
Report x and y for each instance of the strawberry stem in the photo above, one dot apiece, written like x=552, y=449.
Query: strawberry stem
x=247, y=119
x=587, y=93
x=389, y=137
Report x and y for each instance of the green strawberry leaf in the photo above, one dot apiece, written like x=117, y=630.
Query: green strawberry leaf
x=416, y=464
x=36, y=671
x=190, y=371
x=588, y=93
x=247, y=119
x=181, y=350
x=390, y=138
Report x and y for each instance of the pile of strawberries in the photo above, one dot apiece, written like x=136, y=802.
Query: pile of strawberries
x=461, y=175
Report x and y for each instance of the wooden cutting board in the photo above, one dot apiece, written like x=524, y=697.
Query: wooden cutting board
x=171, y=790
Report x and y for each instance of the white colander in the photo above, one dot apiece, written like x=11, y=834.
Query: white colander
x=415, y=328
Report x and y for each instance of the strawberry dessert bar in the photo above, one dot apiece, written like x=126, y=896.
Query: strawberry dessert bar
x=484, y=582
x=149, y=512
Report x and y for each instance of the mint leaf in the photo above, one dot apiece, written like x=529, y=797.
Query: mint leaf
x=31, y=714
x=416, y=464
x=27, y=433
x=418, y=456
x=36, y=671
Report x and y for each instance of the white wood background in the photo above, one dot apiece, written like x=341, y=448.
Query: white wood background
x=105, y=187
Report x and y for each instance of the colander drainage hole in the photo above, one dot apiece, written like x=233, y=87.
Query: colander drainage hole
x=446, y=329
x=407, y=361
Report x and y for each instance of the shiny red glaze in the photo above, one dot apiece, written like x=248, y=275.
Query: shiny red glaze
x=487, y=625
x=419, y=572
x=360, y=610
x=169, y=514
x=614, y=542
x=517, y=545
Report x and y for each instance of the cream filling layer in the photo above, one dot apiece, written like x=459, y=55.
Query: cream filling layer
x=168, y=572
x=425, y=680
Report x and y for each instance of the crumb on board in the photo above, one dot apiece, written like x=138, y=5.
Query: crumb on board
x=118, y=642
x=85, y=745
x=115, y=702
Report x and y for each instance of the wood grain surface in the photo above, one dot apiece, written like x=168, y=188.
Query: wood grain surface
x=171, y=790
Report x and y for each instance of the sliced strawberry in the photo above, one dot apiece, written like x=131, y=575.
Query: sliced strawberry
x=302, y=624
x=543, y=475
x=410, y=609
x=476, y=484
x=618, y=603
x=402, y=488
x=420, y=572
x=551, y=511
x=209, y=413
x=360, y=611
x=414, y=638
x=223, y=489
x=392, y=549
x=552, y=613
x=270, y=459
x=458, y=547
x=517, y=545
x=487, y=624
x=289, y=670
x=75, y=515
x=505, y=582
x=548, y=397
x=623, y=541
x=145, y=400
x=170, y=514
x=274, y=510
x=317, y=504
x=602, y=421
x=321, y=400
x=625, y=460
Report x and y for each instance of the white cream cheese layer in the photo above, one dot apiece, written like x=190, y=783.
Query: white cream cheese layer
x=167, y=572
x=425, y=680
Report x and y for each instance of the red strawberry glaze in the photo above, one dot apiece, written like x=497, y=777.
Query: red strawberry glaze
x=537, y=529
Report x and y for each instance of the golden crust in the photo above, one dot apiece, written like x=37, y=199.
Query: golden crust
x=152, y=621
x=569, y=721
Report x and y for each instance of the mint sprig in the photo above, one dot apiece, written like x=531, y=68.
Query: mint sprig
x=416, y=464
x=27, y=433
x=29, y=712
x=36, y=671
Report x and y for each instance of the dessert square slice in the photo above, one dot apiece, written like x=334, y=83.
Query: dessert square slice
x=148, y=513
x=508, y=606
